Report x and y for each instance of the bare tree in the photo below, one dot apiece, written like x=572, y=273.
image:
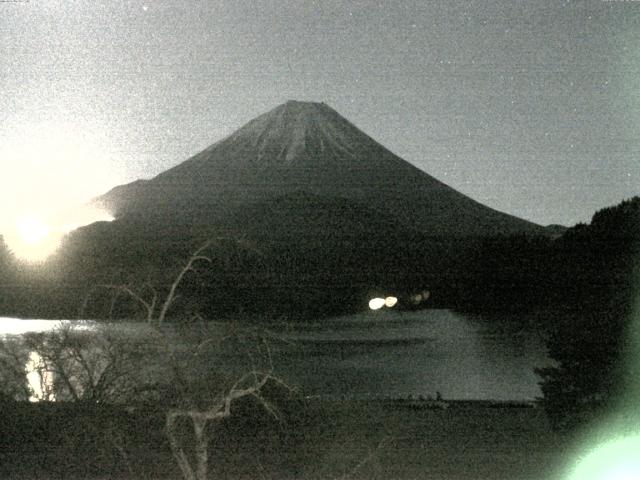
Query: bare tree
x=72, y=364
x=191, y=401
x=248, y=385
x=69, y=364
x=13, y=381
x=101, y=366
x=109, y=367
x=147, y=296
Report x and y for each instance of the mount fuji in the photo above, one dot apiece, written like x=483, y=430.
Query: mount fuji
x=316, y=217
x=306, y=148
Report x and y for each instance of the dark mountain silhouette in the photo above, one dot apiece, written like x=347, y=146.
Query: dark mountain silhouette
x=555, y=230
x=312, y=217
x=306, y=147
x=327, y=215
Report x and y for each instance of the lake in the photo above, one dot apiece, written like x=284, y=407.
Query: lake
x=397, y=354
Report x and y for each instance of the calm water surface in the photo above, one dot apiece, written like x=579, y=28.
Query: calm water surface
x=397, y=354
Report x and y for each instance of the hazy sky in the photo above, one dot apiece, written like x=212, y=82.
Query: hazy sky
x=531, y=107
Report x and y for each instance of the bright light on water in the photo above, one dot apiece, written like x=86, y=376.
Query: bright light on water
x=18, y=326
x=616, y=460
x=376, y=303
x=40, y=380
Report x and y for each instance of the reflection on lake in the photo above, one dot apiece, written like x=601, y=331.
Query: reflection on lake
x=396, y=354
x=418, y=353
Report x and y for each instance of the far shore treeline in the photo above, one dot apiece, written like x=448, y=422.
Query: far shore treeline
x=324, y=272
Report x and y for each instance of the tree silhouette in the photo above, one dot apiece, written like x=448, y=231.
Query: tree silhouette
x=196, y=391
x=594, y=266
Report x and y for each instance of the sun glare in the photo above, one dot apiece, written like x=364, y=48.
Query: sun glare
x=51, y=169
x=32, y=230
x=617, y=460
x=33, y=239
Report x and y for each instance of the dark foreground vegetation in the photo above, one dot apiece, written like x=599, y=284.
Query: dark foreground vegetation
x=592, y=335
x=581, y=287
x=313, y=439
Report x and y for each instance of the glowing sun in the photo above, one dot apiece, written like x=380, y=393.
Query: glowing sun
x=33, y=239
x=32, y=230
x=50, y=171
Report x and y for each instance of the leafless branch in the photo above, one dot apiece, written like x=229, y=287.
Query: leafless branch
x=171, y=296
x=366, y=459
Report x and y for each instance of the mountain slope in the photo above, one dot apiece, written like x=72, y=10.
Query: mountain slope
x=302, y=146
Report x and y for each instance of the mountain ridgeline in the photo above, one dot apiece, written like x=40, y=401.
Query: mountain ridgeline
x=307, y=147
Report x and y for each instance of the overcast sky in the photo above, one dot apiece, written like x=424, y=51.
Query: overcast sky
x=532, y=107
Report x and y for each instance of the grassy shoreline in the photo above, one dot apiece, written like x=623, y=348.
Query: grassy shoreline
x=313, y=439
